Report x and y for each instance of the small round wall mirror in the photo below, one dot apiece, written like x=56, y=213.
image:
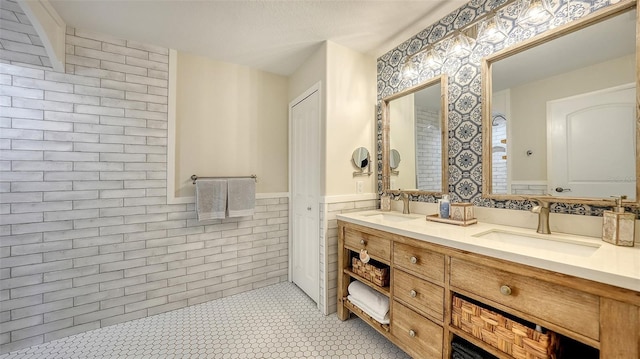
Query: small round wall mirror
x=360, y=157
x=394, y=159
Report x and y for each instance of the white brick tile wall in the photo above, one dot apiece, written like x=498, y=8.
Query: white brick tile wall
x=329, y=250
x=19, y=40
x=7, y=90
x=87, y=238
x=95, y=72
x=428, y=149
x=120, y=85
x=499, y=164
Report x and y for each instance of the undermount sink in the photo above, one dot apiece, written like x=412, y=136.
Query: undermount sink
x=389, y=217
x=542, y=242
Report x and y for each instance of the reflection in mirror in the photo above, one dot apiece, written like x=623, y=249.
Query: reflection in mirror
x=394, y=160
x=360, y=158
x=562, y=114
x=416, y=128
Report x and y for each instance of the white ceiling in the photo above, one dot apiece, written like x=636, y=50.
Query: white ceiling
x=274, y=36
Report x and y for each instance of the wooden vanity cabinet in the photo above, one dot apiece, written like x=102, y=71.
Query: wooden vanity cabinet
x=377, y=246
x=422, y=296
x=419, y=336
x=425, y=276
x=575, y=310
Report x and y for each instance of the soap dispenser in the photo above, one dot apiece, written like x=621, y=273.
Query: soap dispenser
x=444, y=206
x=618, y=225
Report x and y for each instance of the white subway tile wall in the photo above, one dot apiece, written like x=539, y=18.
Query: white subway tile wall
x=329, y=249
x=19, y=41
x=498, y=158
x=87, y=238
x=531, y=189
x=428, y=149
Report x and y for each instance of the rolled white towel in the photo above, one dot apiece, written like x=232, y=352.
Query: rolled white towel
x=376, y=302
x=384, y=319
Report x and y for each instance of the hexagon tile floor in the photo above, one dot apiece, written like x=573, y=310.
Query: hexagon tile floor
x=278, y=321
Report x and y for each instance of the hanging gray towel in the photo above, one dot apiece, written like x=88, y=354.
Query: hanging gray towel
x=242, y=197
x=211, y=199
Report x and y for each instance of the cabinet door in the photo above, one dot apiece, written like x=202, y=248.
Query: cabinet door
x=568, y=308
x=426, y=298
x=378, y=248
x=620, y=328
x=419, y=261
x=419, y=336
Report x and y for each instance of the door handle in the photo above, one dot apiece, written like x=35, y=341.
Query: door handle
x=560, y=189
x=309, y=208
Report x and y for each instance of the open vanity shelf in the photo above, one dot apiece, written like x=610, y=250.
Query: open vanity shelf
x=384, y=290
x=598, y=319
x=377, y=251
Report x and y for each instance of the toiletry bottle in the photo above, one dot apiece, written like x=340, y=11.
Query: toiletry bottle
x=444, y=206
x=618, y=225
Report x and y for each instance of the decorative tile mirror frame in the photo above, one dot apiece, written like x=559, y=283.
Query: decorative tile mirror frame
x=465, y=90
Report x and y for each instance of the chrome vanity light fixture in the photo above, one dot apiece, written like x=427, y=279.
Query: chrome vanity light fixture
x=491, y=30
x=485, y=29
x=534, y=12
x=432, y=59
x=413, y=66
x=460, y=45
x=428, y=60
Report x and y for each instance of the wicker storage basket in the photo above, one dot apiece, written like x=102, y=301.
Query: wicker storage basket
x=374, y=272
x=502, y=333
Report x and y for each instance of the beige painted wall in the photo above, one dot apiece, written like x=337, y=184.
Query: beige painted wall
x=231, y=120
x=402, y=138
x=529, y=110
x=348, y=98
x=350, y=118
x=312, y=71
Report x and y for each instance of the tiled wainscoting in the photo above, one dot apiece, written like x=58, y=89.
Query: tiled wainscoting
x=86, y=236
x=20, y=41
x=329, y=247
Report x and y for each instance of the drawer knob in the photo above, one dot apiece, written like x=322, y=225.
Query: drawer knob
x=413, y=293
x=505, y=290
x=363, y=242
x=412, y=334
x=413, y=260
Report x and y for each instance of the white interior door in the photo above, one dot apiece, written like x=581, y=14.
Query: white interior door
x=592, y=144
x=305, y=192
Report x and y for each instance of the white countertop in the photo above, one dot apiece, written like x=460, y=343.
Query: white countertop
x=609, y=264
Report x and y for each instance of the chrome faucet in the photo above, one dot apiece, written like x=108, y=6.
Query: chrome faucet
x=405, y=201
x=542, y=209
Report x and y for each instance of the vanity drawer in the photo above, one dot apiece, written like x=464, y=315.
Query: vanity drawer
x=425, y=297
x=568, y=308
x=419, y=261
x=418, y=335
x=377, y=247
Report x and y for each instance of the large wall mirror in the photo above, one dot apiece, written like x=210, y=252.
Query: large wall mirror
x=560, y=115
x=414, y=132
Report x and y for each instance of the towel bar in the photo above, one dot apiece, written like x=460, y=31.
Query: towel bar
x=194, y=178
